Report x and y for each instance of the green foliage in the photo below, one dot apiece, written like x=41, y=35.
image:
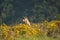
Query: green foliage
x=7, y=9
x=48, y=8
x=42, y=10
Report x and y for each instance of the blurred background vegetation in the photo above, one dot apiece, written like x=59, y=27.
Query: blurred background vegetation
x=44, y=16
x=12, y=11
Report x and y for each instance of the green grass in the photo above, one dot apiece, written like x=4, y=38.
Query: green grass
x=38, y=38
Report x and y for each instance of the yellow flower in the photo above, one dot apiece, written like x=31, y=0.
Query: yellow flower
x=52, y=24
x=17, y=32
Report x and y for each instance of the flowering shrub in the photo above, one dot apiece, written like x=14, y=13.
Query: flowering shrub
x=7, y=32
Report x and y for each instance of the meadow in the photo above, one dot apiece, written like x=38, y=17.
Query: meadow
x=44, y=30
